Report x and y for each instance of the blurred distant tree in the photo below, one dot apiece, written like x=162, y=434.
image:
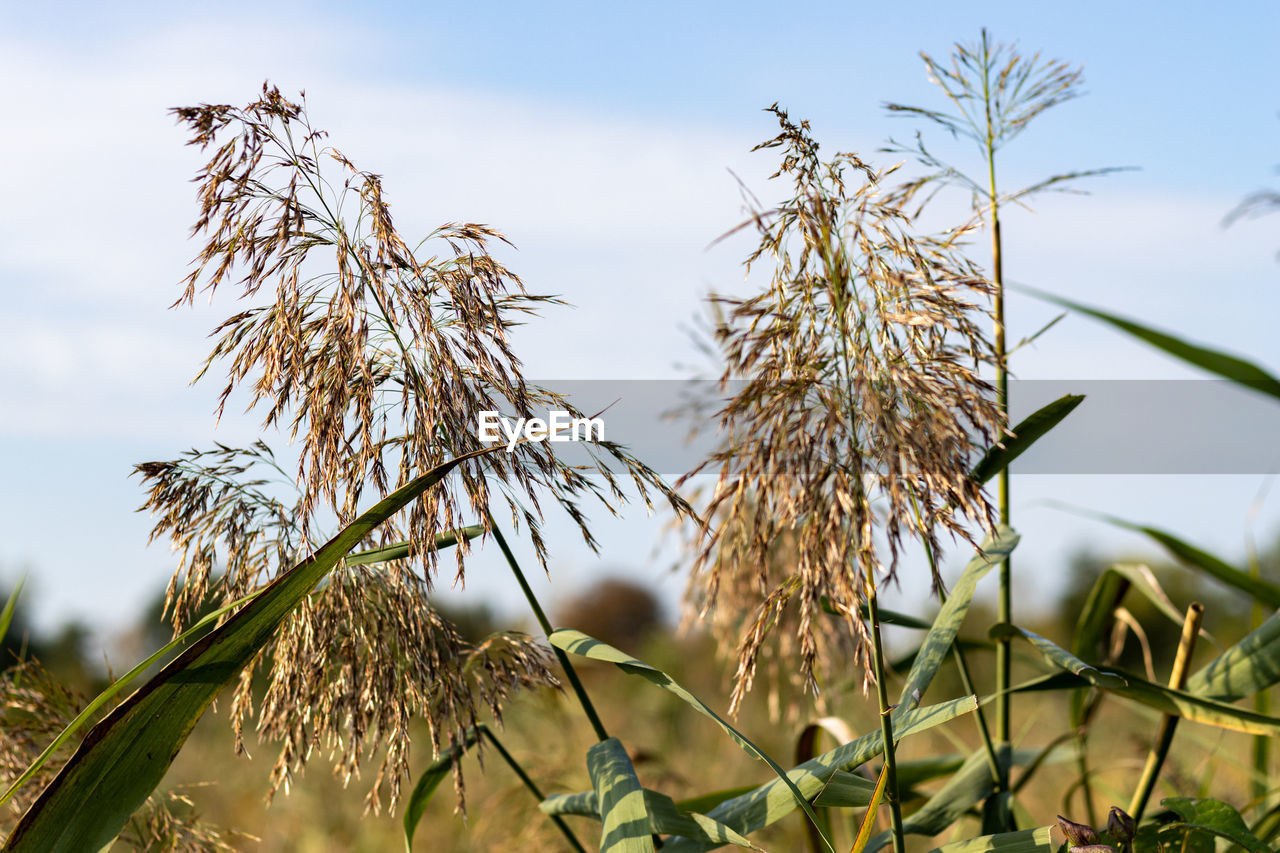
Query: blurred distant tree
x=619, y=612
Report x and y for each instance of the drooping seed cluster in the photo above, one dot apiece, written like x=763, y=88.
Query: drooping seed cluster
x=377, y=357
x=858, y=410
x=34, y=709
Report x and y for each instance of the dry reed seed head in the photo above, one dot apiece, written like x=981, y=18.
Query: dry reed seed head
x=1016, y=87
x=34, y=709
x=995, y=92
x=377, y=356
x=170, y=824
x=860, y=410
x=355, y=690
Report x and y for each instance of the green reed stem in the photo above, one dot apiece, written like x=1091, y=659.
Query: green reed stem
x=1177, y=680
x=541, y=616
x=886, y=722
x=1003, y=650
x=1082, y=764
x=1261, y=703
x=532, y=786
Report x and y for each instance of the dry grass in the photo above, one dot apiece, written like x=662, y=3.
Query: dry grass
x=860, y=411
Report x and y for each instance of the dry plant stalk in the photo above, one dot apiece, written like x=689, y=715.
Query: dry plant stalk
x=859, y=412
x=378, y=357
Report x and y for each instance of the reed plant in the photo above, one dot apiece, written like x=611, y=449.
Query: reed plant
x=857, y=445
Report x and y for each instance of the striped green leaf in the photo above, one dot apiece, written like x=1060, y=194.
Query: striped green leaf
x=1248, y=667
x=578, y=643
x=666, y=817
x=937, y=643
x=774, y=800
x=623, y=813
x=1038, y=840
x=583, y=804
x=124, y=757
x=1178, y=703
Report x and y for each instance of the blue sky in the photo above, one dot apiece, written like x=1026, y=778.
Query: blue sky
x=600, y=137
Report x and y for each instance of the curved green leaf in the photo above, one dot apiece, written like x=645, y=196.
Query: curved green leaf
x=583, y=804
x=1250, y=666
x=1178, y=703
x=6, y=615
x=1058, y=656
x=428, y=782
x=1264, y=591
x=1216, y=817
x=937, y=643
x=1227, y=366
x=773, y=800
x=1039, y=840
x=1028, y=431
x=620, y=798
x=124, y=757
x=443, y=540
x=400, y=550
x=578, y=643
x=666, y=817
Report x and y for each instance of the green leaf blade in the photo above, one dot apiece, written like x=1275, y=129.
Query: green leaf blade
x=1028, y=431
x=124, y=757
x=623, y=813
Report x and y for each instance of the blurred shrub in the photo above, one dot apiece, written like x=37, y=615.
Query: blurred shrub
x=620, y=612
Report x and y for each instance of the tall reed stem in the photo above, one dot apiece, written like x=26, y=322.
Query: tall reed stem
x=886, y=722
x=1261, y=702
x=569, y=672
x=1177, y=680
x=1003, y=658
x=532, y=786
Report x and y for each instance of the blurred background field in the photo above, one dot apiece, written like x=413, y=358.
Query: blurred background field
x=674, y=751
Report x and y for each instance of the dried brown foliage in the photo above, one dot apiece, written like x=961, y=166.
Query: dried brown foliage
x=859, y=410
x=377, y=356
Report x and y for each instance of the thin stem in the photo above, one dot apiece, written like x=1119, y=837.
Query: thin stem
x=1177, y=680
x=532, y=786
x=1003, y=656
x=1082, y=764
x=541, y=616
x=886, y=723
x=1261, y=700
